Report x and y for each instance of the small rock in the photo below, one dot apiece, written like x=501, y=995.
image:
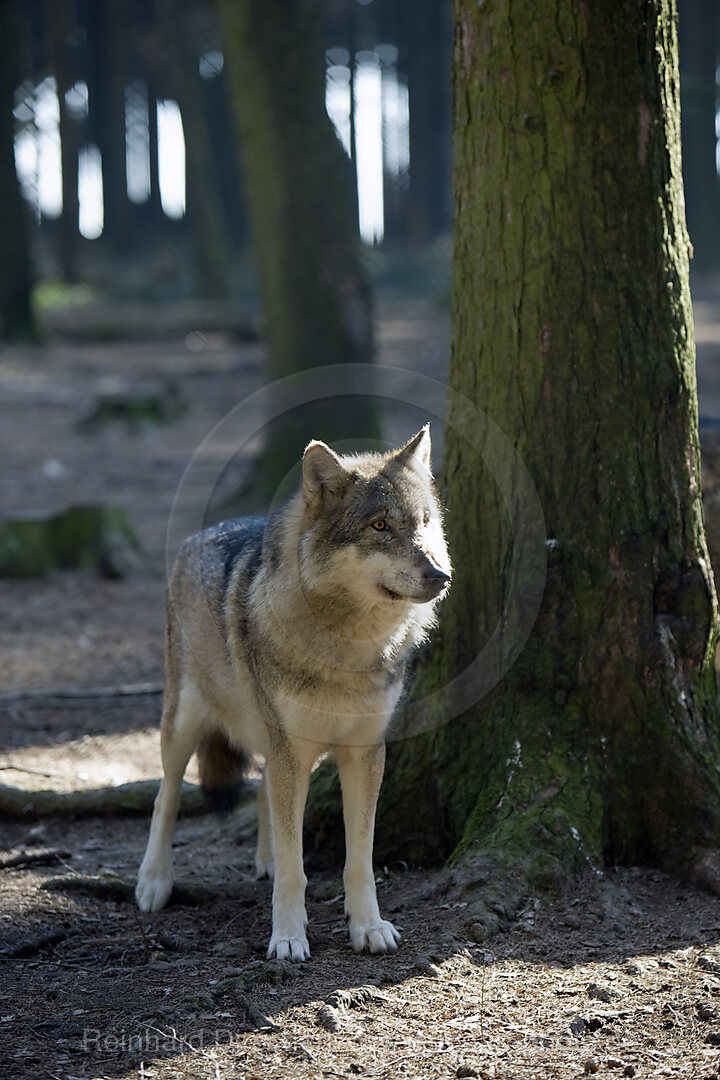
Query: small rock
x=424, y=964
x=713, y=1038
x=600, y=993
x=158, y=960
x=466, y=1070
x=613, y=1063
x=234, y=948
x=592, y=1065
x=578, y=1025
x=326, y=890
x=629, y=1070
x=708, y=964
x=280, y=971
x=706, y=1012
x=329, y=1018
x=301, y=1052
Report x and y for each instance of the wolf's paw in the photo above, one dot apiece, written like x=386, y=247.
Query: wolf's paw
x=293, y=948
x=377, y=937
x=152, y=891
x=264, y=869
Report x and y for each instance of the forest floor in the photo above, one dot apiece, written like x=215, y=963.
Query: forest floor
x=619, y=976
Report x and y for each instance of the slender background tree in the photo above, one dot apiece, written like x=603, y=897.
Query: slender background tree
x=315, y=293
x=699, y=34
x=16, y=317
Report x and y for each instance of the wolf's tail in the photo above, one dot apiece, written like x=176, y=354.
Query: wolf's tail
x=221, y=771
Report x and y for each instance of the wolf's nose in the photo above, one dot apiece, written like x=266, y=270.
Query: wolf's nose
x=435, y=576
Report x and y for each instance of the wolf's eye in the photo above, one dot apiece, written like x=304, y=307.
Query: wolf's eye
x=380, y=525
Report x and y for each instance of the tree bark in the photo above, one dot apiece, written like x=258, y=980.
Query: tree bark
x=315, y=296
x=16, y=317
x=572, y=331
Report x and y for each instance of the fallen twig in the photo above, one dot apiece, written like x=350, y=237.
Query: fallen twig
x=33, y=945
x=33, y=858
x=235, y=988
x=73, y=693
x=30, y=772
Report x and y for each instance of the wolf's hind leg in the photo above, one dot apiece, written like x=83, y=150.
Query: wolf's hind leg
x=179, y=736
x=264, y=865
x=361, y=771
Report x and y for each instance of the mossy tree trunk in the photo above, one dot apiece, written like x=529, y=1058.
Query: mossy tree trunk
x=572, y=330
x=16, y=317
x=315, y=295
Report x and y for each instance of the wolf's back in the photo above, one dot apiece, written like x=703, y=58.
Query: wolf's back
x=206, y=564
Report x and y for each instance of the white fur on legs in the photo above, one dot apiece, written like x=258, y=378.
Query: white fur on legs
x=179, y=739
x=361, y=770
x=264, y=863
x=287, y=773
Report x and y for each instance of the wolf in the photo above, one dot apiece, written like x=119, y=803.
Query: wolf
x=290, y=637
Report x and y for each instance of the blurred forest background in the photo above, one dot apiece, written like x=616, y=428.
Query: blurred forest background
x=118, y=123
x=265, y=169
x=117, y=120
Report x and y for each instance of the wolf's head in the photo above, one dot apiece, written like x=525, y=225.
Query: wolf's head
x=373, y=525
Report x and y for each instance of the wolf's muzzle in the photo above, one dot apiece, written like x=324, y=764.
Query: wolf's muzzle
x=435, y=580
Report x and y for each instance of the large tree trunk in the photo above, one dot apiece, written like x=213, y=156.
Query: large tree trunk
x=16, y=318
x=315, y=296
x=572, y=330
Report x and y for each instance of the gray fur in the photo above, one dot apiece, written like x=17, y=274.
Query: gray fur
x=291, y=637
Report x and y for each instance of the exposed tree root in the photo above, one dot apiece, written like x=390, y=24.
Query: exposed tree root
x=107, y=887
x=135, y=798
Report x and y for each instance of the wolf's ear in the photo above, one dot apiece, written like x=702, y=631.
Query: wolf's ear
x=322, y=470
x=416, y=453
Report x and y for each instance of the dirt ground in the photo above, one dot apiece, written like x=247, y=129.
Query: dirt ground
x=618, y=977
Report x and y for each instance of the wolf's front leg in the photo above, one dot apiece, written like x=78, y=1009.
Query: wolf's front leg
x=287, y=774
x=361, y=771
x=179, y=737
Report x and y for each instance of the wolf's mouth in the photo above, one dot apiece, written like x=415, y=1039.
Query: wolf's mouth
x=389, y=593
